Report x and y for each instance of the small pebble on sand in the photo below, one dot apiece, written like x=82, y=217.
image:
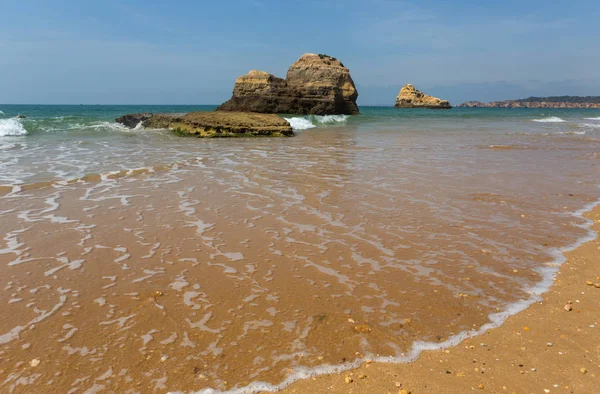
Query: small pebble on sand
x=362, y=328
x=36, y=361
x=583, y=370
x=348, y=379
x=549, y=344
x=589, y=283
x=481, y=386
x=569, y=306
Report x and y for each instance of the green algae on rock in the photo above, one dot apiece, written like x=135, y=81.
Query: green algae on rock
x=221, y=124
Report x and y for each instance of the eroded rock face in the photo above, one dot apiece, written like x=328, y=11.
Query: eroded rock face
x=132, y=120
x=315, y=84
x=410, y=97
x=257, y=91
x=219, y=124
x=323, y=85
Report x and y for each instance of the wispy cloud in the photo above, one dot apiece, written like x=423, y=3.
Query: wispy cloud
x=424, y=29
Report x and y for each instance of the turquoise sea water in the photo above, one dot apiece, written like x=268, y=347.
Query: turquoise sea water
x=48, y=118
x=77, y=131
x=109, y=112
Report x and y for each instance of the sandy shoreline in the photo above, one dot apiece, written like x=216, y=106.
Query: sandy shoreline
x=544, y=349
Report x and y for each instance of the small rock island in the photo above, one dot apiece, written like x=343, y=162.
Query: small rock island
x=410, y=97
x=315, y=84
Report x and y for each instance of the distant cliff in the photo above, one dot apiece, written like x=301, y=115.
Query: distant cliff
x=540, y=102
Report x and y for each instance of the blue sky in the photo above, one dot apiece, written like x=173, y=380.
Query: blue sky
x=190, y=52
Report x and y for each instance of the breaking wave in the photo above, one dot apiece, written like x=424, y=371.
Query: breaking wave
x=60, y=124
x=331, y=119
x=107, y=126
x=551, y=119
x=300, y=123
x=1, y=112
x=312, y=121
x=77, y=124
x=11, y=127
x=597, y=118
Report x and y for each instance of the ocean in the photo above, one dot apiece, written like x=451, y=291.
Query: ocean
x=134, y=258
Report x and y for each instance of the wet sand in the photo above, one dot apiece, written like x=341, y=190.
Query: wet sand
x=544, y=349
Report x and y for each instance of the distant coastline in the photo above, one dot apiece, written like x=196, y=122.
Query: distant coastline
x=540, y=102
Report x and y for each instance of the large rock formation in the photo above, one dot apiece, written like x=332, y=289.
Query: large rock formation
x=410, y=97
x=216, y=124
x=315, y=85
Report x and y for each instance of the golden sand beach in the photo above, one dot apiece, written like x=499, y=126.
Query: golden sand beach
x=544, y=349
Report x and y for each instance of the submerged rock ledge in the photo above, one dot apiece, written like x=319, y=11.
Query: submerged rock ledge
x=213, y=124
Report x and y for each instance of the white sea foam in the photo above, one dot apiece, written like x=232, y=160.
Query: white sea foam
x=1, y=112
x=331, y=119
x=300, y=123
x=7, y=146
x=111, y=126
x=11, y=127
x=597, y=118
x=551, y=119
x=590, y=125
x=547, y=274
x=312, y=121
x=80, y=126
x=570, y=132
